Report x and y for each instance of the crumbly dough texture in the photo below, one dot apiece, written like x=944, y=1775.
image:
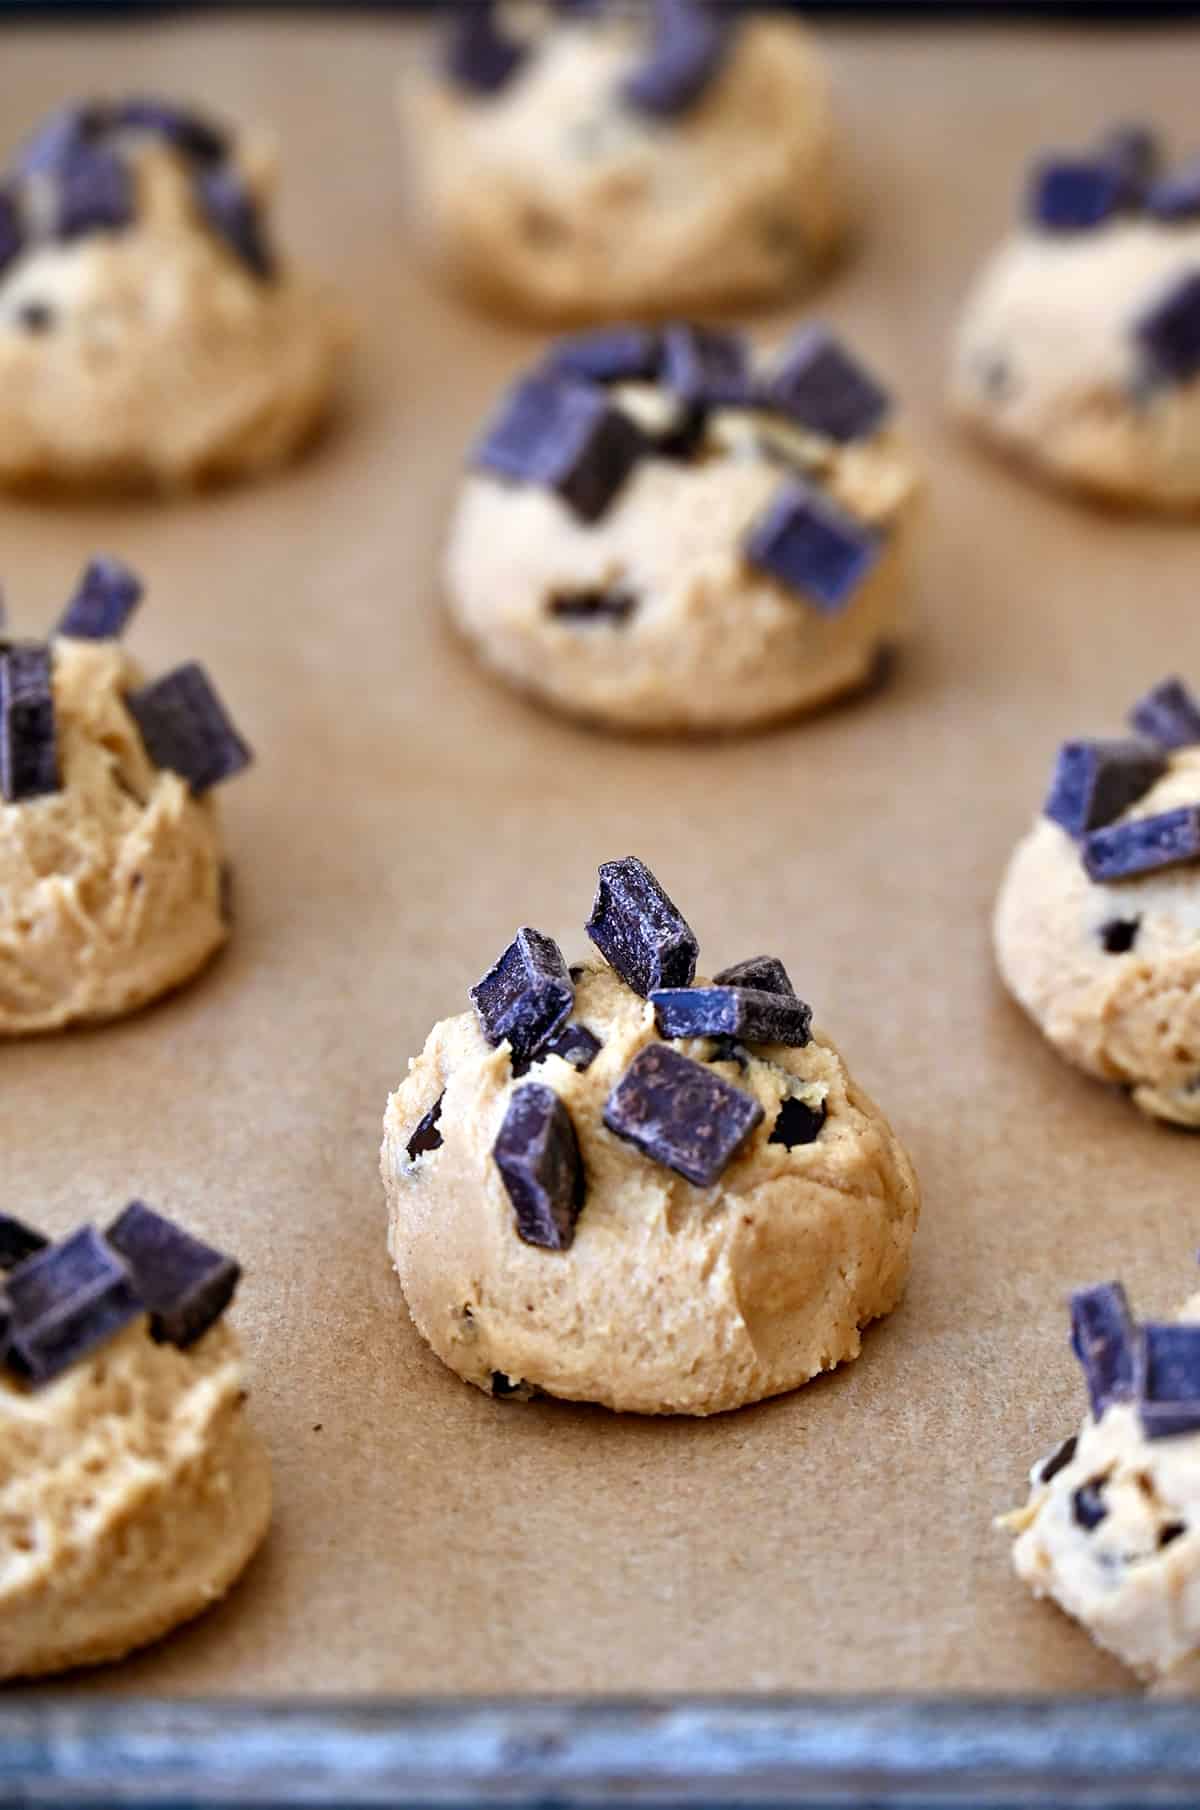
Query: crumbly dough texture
x=110, y=889
x=1133, y=1018
x=672, y=1299
x=1046, y=366
x=712, y=643
x=167, y=364
x=555, y=200
x=133, y=1492
x=1135, y=1595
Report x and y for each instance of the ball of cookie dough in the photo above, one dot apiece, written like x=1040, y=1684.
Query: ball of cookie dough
x=1079, y=346
x=1097, y=924
x=655, y=536
x=150, y=336
x=614, y=161
x=663, y=1224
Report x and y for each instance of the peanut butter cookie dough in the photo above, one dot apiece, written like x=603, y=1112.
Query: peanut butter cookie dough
x=133, y=1489
x=614, y=1183
x=578, y=163
x=150, y=336
x=112, y=879
x=1097, y=927
x=656, y=535
x=1079, y=349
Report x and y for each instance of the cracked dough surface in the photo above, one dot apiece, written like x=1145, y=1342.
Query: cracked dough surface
x=167, y=363
x=110, y=889
x=554, y=200
x=672, y=1298
x=133, y=1492
x=1133, y=1018
x=1045, y=364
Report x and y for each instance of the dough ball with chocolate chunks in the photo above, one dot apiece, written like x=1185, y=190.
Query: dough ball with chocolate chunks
x=585, y=163
x=1097, y=925
x=678, y=1225
x=152, y=334
x=1079, y=346
x=658, y=533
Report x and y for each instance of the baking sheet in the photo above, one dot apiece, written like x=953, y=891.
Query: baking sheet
x=405, y=814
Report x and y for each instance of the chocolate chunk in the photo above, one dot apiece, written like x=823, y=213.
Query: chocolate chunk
x=679, y=1114
x=427, y=1136
x=813, y=547
x=1168, y=715
x=566, y=436
x=185, y=131
x=12, y=233
x=1088, y=1505
x=688, y=49
x=1103, y=1338
x=93, y=192
x=105, y=599
x=537, y=1154
x=480, y=56
x=185, y=727
x=185, y=1284
x=707, y=367
x=1058, y=1461
x=609, y=355
x=18, y=1241
x=1176, y=196
x=35, y=317
x=60, y=138
x=67, y=1300
x=28, y=740
x=525, y=997
x=1167, y=1379
x=1168, y=332
x=232, y=212
x=1075, y=194
x=1125, y=850
x=765, y=973
x=1119, y=935
x=575, y=1044
x=1094, y=781
x=819, y=384
x=615, y=605
x=797, y=1122
x=743, y=1012
x=639, y=930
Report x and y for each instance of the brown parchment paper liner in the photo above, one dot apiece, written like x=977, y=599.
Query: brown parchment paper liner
x=406, y=815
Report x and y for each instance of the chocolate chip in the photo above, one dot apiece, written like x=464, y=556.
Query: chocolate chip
x=537, y=1154
x=689, y=45
x=427, y=1136
x=1102, y=1338
x=609, y=355
x=813, y=547
x=743, y=1012
x=61, y=137
x=185, y=131
x=679, y=1114
x=18, y=1241
x=706, y=367
x=1167, y=1379
x=1088, y=1505
x=1168, y=715
x=1068, y=194
x=12, y=233
x=798, y=1123
x=185, y=727
x=575, y=1044
x=1119, y=935
x=479, y=55
x=566, y=436
x=93, y=192
x=185, y=1284
x=1169, y=1532
x=65, y=1301
x=232, y=212
x=35, y=317
x=525, y=996
x=1168, y=331
x=765, y=973
x=1058, y=1461
x=639, y=930
x=819, y=384
x=1094, y=781
x=593, y=606
x=1176, y=197
x=104, y=600
x=28, y=739
x=1126, y=850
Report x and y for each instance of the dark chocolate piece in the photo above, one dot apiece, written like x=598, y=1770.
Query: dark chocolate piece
x=61, y=137
x=689, y=46
x=813, y=547
x=185, y=1284
x=797, y=1122
x=479, y=55
x=608, y=355
x=575, y=1044
x=639, y=930
x=1168, y=331
x=707, y=367
x=818, y=384
x=537, y=1154
x=427, y=1136
x=1168, y=715
x=28, y=740
x=1167, y=1379
x=1119, y=935
x=566, y=436
x=679, y=1114
x=104, y=600
x=66, y=1301
x=185, y=727
x=185, y=131
x=12, y=233
x=18, y=1241
x=615, y=605
x=766, y=973
x=1125, y=850
x=1058, y=1461
x=1075, y=194
x=525, y=996
x=1088, y=1505
x=35, y=317
x=233, y=213
x=1103, y=1338
x=94, y=192
x=741, y=1012
x=1176, y=196
x=1094, y=781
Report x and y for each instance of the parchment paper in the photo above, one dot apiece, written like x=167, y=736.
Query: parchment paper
x=406, y=814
